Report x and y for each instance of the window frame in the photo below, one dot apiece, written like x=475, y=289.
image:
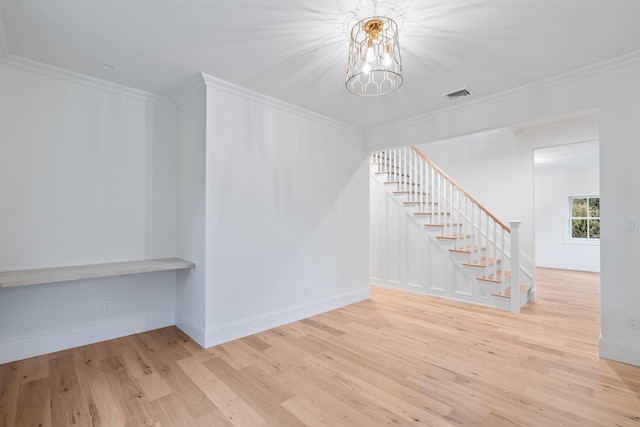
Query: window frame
x=569, y=239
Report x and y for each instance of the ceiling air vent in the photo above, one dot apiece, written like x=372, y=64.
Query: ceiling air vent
x=459, y=94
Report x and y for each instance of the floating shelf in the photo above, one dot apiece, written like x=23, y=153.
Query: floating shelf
x=62, y=274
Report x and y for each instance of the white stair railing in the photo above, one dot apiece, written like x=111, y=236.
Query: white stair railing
x=444, y=203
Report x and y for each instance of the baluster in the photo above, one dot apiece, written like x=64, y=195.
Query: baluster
x=452, y=217
x=414, y=175
x=421, y=187
x=395, y=164
x=440, y=221
x=432, y=206
x=502, y=252
x=464, y=221
x=495, y=247
x=459, y=220
x=401, y=171
x=403, y=161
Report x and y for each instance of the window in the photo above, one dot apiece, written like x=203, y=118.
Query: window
x=585, y=218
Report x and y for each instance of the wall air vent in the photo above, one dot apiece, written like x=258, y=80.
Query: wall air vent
x=459, y=94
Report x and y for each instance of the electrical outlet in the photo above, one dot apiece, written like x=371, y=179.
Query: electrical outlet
x=633, y=322
x=305, y=290
x=106, y=306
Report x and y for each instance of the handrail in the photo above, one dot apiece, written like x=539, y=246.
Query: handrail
x=485, y=210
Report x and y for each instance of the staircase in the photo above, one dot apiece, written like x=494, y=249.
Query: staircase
x=430, y=236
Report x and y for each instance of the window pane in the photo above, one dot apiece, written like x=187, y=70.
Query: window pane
x=594, y=207
x=578, y=207
x=579, y=228
x=594, y=228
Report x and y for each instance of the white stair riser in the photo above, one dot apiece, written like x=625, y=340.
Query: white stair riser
x=505, y=303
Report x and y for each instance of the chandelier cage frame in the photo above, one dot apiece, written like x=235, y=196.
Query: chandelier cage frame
x=374, y=63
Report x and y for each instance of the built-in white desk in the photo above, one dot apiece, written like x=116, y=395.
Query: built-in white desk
x=61, y=274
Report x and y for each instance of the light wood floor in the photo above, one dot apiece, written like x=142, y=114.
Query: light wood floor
x=397, y=359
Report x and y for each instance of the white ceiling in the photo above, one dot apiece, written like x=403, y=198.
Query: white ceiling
x=296, y=51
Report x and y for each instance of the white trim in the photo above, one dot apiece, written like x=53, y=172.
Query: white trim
x=619, y=351
x=481, y=103
x=35, y=346
x=82, y=79
x=581, y=242
x=252, y=325
x=250, y=95
x=591, y=268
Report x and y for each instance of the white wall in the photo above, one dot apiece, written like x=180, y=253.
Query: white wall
x=286, y=210
x=613, y=87
x=553, y=188
x=87, y=175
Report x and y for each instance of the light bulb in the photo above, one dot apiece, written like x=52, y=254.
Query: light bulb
x=366, y=68
x=386, y=55
x=370, y=54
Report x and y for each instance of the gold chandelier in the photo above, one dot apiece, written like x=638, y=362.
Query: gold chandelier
x=374, y=67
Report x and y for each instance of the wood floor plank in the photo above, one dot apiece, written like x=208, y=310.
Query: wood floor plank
x=262, y=391
x=10, y=378
x=396, y=359
x=33, y=404
x=108, y=411
x=236, y=410
x=35, y=368
x=68, y=407
x=153, y=386
x=127, y=394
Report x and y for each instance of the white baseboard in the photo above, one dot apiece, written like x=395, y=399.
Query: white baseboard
x=253, y=325
x=570, y=266
x=620, y=351
x=35, y=346
x=196, y=334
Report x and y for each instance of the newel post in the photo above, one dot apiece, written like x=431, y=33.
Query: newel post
x=515, y=266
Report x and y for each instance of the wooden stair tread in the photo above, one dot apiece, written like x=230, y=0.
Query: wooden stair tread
x=398, y=182
x=390, y=172
x=498, y=277
x=415, y=202
x=408, y=192
x=468, y=249
x=482, y=262
x=507, y=293
x=443, y=225
x=454, y=236
x=431, y=213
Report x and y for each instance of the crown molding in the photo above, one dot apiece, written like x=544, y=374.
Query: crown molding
x=191, y=87
x=581, y=118
x=82, y=79
x=250, y=95
x=632, y=58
